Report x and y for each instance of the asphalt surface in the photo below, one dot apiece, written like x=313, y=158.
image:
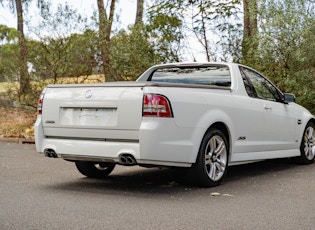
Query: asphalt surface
x=42, y=193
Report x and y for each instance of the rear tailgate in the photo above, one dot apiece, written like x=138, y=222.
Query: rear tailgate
x=100, y=111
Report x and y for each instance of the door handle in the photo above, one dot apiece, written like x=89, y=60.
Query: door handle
x=266, y=107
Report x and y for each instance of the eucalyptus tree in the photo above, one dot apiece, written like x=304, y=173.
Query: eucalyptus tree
x=286, y=47
x=17, y=6
x=165, y=29
x=63, y=57
x=132, y=53
x=209, y=22
x=105, y=28
x=249, y=42
x=68, y=50
x=139, y=13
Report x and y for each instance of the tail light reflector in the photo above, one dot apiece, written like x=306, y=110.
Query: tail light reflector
x=155, y=105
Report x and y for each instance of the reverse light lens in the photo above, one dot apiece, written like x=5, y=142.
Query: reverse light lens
x=155, y=105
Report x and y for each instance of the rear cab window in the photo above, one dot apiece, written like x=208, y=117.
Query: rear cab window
x=216, y=75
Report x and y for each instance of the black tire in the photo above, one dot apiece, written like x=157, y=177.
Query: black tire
x=307, y=147
x=95, y=169
x=212, y=160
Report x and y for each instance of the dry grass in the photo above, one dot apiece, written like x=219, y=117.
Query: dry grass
x=19, y=123
x=4, y=86
x=16, y=123
x=90, y=79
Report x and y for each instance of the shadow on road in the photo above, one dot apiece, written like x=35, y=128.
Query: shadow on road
x=160, y=182
x=259, y=169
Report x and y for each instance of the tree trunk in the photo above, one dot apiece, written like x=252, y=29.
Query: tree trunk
x=206, y=45
x=250, y=28
x=139, y=14
x=25, y=86
x=105, y=27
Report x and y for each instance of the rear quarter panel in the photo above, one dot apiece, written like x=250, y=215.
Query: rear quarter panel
x=196, y=109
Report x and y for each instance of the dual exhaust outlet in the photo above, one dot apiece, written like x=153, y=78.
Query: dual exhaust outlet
x=124, y=159
x=127, y=159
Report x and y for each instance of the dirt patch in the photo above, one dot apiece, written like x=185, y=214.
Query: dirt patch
x=16, y=122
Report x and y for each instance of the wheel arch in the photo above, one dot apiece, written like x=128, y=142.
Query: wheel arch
x=226, y=131
x=312, y=120
x=306, y=156
x=223, y=128
x=301, y=131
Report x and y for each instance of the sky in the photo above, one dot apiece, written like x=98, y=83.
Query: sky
x=126, y=9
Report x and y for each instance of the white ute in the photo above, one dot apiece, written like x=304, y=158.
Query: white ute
x=202, y=116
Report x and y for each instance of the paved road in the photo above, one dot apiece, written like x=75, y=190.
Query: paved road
x=42, y=193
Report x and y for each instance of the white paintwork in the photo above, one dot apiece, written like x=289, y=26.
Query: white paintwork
x=102, y=121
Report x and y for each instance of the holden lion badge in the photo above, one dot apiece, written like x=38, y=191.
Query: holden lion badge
x=88, y=94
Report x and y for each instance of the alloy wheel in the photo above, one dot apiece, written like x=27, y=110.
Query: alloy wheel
x=216, y=158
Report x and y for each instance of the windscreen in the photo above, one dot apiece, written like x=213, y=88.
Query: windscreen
x=218, y=75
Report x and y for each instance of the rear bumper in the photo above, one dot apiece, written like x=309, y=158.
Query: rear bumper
x=77, y=149
x=160, y=142
x=98, y=151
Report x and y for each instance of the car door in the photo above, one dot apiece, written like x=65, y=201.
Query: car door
x=280, y=126
x=279, y=130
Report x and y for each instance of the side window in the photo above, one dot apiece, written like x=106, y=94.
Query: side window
x=263, y=88
x=248, y=85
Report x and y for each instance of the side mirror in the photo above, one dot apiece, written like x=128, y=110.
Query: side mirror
x=288, y=97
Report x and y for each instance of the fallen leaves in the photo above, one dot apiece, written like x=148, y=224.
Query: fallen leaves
x=219, y=194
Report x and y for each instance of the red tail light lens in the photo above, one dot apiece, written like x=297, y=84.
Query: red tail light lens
x=40, y=103
x=155, y=105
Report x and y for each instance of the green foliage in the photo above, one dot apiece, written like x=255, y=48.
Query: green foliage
x=9, y=62
x=131, y=54
x=214, y=25
x=9, y=53
x=286, y=48
x=70, y=56
x=8, y=35
x=62, y=52
x=165, y=28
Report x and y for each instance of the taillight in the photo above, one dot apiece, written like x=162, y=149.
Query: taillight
x=155, y=105
x=40, y=103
